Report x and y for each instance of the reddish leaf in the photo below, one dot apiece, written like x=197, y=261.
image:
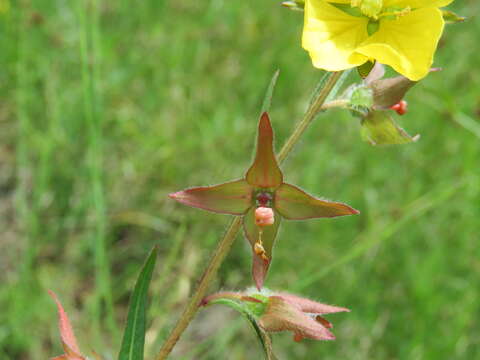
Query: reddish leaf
x=269, y=233
x=72, y=352
x=281, y=315
x=228, y=198
x=310, y=306
x=264, y=171
x=295, y=204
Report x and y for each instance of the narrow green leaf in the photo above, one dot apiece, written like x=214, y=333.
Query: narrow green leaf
x=322, y=82
x=134, y=336
x=267, y=101
x=338, y=85
x=262, y=336
x=320, y=85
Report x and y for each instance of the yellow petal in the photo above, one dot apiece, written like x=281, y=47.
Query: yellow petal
x=416, y=4
x=331, y=36
x=408, y=43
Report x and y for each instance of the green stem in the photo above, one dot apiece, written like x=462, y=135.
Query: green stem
x=313, y=110
x=207, y=277
x=340, y=103
x=225, y=244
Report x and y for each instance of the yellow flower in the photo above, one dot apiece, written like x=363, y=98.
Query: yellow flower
x=404, y=34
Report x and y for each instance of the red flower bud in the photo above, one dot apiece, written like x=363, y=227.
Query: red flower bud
x=401, y=107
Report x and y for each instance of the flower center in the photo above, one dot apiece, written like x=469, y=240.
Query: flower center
x=394, y=13
x=370, y=8
x=264, y=198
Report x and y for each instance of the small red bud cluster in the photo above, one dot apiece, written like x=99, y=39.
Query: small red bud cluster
x=401, y=107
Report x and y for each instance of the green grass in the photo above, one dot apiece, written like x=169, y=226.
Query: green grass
x=106, y=107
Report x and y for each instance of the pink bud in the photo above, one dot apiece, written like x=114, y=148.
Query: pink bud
x=401, y=107
x=264, y=216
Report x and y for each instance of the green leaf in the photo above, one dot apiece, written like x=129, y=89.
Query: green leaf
x=134, y=335
x=338, y=85
x=269, y=233
x=233, y=197
x=295, y=204
x=379, y=128
x=264, y=172
x=267, y=101
x=262, y=336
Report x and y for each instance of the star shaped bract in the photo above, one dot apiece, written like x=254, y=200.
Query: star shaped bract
x=275, y=312
x=262, y=198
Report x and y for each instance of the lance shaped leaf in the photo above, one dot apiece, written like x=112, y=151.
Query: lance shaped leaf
x=262, y=198
x=69, y=341
x=134, y=334
x=379, y=128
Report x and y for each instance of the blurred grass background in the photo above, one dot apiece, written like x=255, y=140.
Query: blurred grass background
x=106, y=107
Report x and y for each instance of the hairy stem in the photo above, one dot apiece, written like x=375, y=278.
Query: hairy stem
x=225, y=244
x=189, y=312
x=314, y=108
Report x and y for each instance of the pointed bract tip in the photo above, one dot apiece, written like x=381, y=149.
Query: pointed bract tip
x=174, y=195
x=52, y=295
x=265, y=125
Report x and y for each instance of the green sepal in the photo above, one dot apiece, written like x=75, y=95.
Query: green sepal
x=379, y=128
x=360, y=96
